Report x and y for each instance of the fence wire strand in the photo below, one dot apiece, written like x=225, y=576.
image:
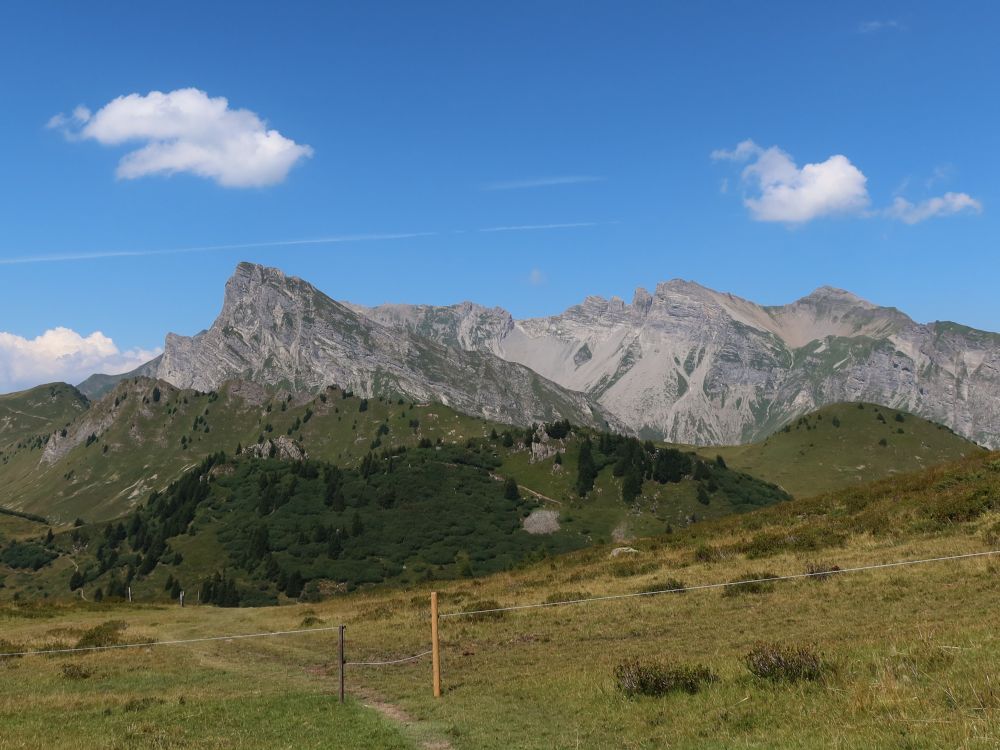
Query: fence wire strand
x=386, y=663
x=180, y=642
x=696, y=587
x=541, y=605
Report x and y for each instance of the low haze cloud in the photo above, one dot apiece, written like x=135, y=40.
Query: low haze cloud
x=62, y=354
x=948, y=204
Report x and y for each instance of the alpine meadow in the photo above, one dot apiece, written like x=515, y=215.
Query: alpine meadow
x=442, y=377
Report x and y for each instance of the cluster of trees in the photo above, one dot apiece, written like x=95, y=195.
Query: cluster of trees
x=636, y=462
x=26, y=555
x=219, y=590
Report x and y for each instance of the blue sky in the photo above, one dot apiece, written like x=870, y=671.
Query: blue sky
x=427, y=123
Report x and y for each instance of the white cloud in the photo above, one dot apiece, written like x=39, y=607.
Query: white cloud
x=781, y=191
x=61, y=354
x=744, y=150
x=536, y=277
x=948, y=204
x=187, y=131
x=541, y=182
x=872, y=27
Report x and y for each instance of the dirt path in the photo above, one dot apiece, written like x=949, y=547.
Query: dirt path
x=25, y=414
x=397, y=715
x=539, y=495
x=413, y=729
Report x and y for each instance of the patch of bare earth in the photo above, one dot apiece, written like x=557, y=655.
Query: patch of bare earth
x=396, y=714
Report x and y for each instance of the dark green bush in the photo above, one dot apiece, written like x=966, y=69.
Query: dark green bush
x=636, y=678
x=26, y=555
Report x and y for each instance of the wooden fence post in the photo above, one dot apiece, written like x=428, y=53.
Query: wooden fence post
x=435, y=645
x=340, y=659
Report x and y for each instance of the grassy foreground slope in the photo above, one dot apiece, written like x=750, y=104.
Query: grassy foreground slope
x=910, y=656
x=843, y=445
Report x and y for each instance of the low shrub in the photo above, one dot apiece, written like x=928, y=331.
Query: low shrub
x=566, y=596
x=707, y=553
x=485, y=604
x=106, y=634
x=636, y=678
x=959, y=508
x=632, y=567
x=783, y=663
x=142, y=704
x=751, y=582
x=673, y=585
x=74, y=672
x=821, y=571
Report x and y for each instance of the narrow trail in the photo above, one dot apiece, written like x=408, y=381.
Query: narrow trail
x=397, y=715
x=539, y=495
x=25, y=414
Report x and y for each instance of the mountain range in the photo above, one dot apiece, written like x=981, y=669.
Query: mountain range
x=684, y=363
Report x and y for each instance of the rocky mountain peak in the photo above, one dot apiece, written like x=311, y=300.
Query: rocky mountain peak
x=833, y=295
x=685, y=363
x=641, y=301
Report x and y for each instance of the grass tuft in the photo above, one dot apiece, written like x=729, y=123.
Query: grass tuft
x=635, y=678
x=783, y=663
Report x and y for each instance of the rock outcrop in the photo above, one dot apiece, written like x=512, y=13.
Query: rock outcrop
x=281, y=331
x=691, y=365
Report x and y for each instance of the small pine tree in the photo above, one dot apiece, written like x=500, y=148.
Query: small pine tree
x=510, y=490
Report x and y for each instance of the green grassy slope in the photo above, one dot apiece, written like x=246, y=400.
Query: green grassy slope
x=140, y=442
x=29, y=415
x=845, y=444
x=908, y=655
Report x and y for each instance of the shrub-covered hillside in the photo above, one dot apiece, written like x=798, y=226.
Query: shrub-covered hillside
x=259, y=530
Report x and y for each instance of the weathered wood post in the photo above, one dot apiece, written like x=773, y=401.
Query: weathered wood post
x=340, y=659
x=435, y=645
x=181, y=598
x=129, y=594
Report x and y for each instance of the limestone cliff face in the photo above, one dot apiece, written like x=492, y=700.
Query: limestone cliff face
x=692, y=365
x=281, y=331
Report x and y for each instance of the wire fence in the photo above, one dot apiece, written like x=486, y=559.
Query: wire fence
x=496, y=610
x=724, y=584
x=405, y=659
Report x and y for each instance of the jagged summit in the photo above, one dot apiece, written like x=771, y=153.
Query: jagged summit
x=684, y=363
x=691, y=364
x=280, y=330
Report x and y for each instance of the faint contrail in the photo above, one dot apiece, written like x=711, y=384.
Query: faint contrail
x=209, y=248
x=530, y=227
x=63, y=257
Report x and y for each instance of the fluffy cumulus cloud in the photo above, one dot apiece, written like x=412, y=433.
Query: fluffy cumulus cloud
x=187, y=131
x=948, y=204
x=781, y=191
x=776, y=189
x=61, y=354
